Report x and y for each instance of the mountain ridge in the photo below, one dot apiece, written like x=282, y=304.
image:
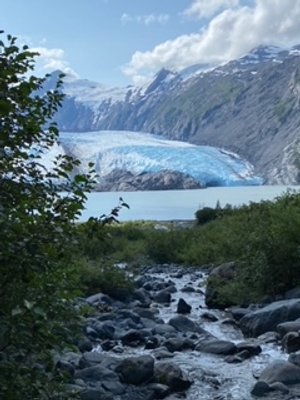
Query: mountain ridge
x=249, y=106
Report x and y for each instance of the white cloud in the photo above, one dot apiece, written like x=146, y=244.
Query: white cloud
x=53, y=59
x=145, y=19
x=207, y=8
x=229, y=34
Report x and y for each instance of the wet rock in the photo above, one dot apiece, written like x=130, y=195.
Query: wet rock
x=280, y=387
x=290, y=326
x=268, y=337
x=162, y=297
x=188, y=289
x=215, y=346
x=128, y=314
x=171, y=375
x=105, y=330
x=183, y=307
x=98, y=373
x=136, y=370
x=267, y=318
x=238, y=357
x=152, y=343
x=85, y=345
x=179, y=344
x=98, y=299
x=251, y=347
x=294, y=358
x=281, y=371
x=160, y=391
x=208, y=316
x=260, y=389
x=149, y=313
x=184, y=324
x=90, y=359
x=165, y=330
x=162, y=353
x=133, y=338
x=238, y=312
x=143, y=296
x=95, y=394
x=291, y=342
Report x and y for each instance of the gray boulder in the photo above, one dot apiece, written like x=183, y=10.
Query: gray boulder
x=215, y=346
x=98, y=373
x=163, y=296
x=290, y=326
x=183, y=307
x=171, y=375
x=281, y=371
x=291, y=342
x=136, y=370
x=184, y=324
x=267, y=318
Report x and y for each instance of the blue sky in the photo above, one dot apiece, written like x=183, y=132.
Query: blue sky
x=118, y=42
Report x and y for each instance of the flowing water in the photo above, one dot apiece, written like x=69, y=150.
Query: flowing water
x=214, y=379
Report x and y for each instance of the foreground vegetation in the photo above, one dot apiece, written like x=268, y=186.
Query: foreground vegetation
x=263, y=239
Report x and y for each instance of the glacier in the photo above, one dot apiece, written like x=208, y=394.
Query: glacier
x=141, y=153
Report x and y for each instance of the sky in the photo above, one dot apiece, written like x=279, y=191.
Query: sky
x=122, y=42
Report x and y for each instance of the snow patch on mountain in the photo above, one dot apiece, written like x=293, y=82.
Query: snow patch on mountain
x=142, y=153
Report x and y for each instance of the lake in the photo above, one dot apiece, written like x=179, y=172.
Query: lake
x=176, y=204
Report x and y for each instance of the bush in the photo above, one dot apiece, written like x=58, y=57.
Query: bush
x=36, y=231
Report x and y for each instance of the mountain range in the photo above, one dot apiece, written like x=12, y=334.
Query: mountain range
x=249, y=106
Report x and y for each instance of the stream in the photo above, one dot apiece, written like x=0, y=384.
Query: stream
x=213, y=377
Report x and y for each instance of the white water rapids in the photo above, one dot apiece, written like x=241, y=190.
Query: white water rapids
x=214, y=379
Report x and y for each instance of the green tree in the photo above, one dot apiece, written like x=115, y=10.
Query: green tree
x=36, y=230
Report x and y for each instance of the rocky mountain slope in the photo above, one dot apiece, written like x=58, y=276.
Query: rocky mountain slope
x=250, y=106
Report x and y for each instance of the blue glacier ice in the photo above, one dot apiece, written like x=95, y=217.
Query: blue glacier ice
x=144, y=153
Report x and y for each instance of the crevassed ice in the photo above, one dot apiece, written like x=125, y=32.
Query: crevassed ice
x=145, y=153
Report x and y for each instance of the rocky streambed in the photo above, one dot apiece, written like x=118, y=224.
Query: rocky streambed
x=164, y=342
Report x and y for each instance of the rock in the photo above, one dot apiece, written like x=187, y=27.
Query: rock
x=188, y=289
x=160, y=391
x=90, y=359
x=238, y=312
x=183, y=307
x=268, y=337
x=98, y=298
x=162, y=353
x=294, y=358
x=215, y=346
x=179, y=344
x=267, y=318
x=260, y=389
x=143, y=296
x=98, y=373
x=105, y=330
x=281, y=371
x=163, y=296
x=290, y=326
x=152, y=343
x=149, y=313
x=209, y=316
x=184, y=324
x=171, y=375
x=291, y=342
x=218, y=277
x=280, y=387
x=166, y=330
x=85, y=345
x=96, y=394
x=133, y=338
x=238, y=357
x=252, y=347
x=136, y=370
